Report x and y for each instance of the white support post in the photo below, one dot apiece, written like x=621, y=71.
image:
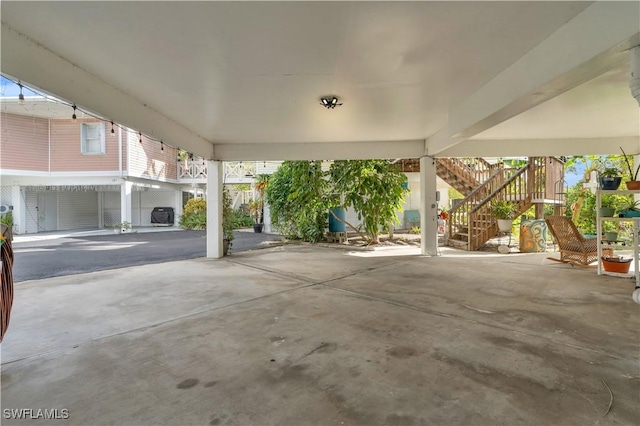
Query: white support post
x=429, y=210
x=100, y=209
x=126, y=192
x=214, y=209
x=178, y=208
x=267, y=218
x=19, y=210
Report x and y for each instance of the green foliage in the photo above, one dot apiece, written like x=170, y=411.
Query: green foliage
x=630, y=204
x=123, y=225
x=632, y=175
x=373, y=188
x=503, y=209
x=256, y=210
x=194, y=214
x=609, y=172
x=415, y=230
x=196, y=221
x=195, y=205
x=7, y=219
x=261, y=182
x=227, y=216
x=242, y=186
x=297, y=194
x=241, y=219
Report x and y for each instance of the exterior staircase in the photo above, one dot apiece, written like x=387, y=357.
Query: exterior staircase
x=465, y=174
x=471, y=223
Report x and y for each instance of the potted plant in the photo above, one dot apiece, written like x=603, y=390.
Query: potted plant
x=633, y=183
x=504, y=212
x=256, y=206
x=122, y=227
x=630, y=209
x=607, y=208
x=610, y=178
x=255, y=209
x=227, y=222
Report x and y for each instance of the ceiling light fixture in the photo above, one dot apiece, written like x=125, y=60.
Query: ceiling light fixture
x=74, y=117
x=113, y=132
x=329, y=102
x=161, y=146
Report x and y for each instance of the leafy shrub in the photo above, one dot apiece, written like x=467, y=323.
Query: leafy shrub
x=241, y=219
x=195, y=205
x=194, y=214
x=299, y=199
x=7, y=219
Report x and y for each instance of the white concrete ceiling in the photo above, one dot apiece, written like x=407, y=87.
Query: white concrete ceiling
x=251, y=72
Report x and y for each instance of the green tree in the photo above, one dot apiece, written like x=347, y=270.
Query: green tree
x=299, y=199
x=373, y=188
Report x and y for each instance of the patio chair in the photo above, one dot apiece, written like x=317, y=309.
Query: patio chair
x=574, y=247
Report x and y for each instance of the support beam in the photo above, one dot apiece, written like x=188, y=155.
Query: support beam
x=587, y=46
x=543, y=147
x=429, y=210
x=320, y=150
x=593, y=42
x=33, y=63
x=214, y=209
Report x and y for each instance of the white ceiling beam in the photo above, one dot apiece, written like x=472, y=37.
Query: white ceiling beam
x=543, y=147
x=319, y=150
x=587, y=46
x=33, y=63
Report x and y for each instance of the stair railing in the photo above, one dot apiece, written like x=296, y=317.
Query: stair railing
x=508, y=184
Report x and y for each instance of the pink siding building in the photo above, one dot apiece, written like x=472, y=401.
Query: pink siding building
x=61, y=174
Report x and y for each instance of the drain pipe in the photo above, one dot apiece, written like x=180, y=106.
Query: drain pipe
x=634, y=84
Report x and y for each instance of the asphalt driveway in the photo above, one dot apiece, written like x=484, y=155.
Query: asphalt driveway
x=75, y=255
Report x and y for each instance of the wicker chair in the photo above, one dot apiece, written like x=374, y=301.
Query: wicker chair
x=574, y=247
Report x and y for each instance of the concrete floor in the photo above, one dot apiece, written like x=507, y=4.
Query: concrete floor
x=301, y=335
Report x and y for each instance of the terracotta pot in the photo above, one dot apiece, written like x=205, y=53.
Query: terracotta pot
x=633, y=184
x=614, y=265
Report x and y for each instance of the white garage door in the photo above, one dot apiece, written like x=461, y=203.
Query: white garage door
x=77, y=210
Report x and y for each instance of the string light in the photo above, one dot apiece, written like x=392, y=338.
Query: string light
x=74, y=116
x=20, y=96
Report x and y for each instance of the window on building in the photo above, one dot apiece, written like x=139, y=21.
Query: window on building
x=92, y=138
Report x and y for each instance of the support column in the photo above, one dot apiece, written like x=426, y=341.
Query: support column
x=429, y=207
x=19, y=211
x=178, y=208
x=267, y=218
x=126, y=191
x=214, y=209
x=100, y=209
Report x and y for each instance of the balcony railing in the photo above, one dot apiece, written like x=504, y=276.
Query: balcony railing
x=233, y=171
